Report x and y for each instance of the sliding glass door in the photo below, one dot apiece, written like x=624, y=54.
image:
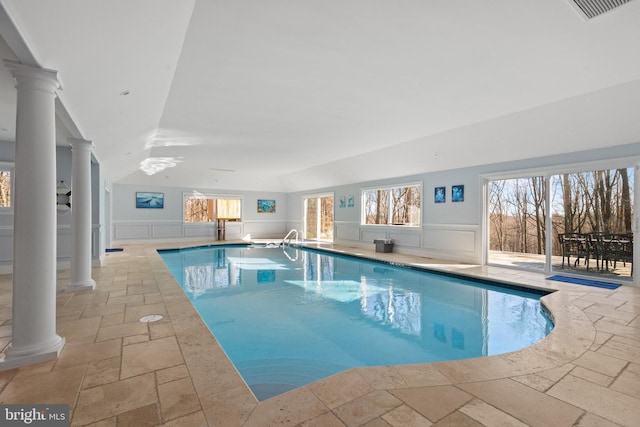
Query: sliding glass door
x=517, y=216
x=588, y=232
x=318, y=217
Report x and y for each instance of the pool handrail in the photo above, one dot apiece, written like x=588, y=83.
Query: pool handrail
x=289, y=236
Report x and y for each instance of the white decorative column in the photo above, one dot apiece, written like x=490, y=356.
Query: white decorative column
x=34, y=337
x=80, y=216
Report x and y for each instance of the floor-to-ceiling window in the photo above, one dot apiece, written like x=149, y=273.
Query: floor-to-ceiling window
x=578, y=222
x=517, y=218
x=318, y=217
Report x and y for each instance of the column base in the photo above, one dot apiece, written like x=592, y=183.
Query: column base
x=10, y=361
x=81, y=285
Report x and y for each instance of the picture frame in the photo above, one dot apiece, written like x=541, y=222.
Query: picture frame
x=149, y=200
x=342, y=202
x=457, y=193
x=351, y=202
x=440, y=195
x=266, y=206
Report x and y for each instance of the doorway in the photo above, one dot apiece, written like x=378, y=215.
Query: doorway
x=318, y=217
x=574, y=222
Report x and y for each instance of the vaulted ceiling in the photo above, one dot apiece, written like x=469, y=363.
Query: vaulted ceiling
x=288, y=95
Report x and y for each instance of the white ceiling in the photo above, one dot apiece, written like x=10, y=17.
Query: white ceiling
x=295, y=95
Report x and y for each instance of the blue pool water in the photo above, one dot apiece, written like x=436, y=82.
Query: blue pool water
x=287, y=317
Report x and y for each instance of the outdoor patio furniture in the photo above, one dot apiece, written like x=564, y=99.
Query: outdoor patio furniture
x=575, y=245
x=609, y=248
x=622, y=249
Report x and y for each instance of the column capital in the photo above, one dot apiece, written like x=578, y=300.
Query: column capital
x=80, y=143
x=29, y=74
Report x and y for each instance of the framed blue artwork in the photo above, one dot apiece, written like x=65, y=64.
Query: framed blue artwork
x=343, y=202
x=149, y=200
x=351, y=202
x=266, y=206
x=440, y=195
x=457, y=193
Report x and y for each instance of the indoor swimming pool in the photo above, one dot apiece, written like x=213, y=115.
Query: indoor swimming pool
x=289, y=316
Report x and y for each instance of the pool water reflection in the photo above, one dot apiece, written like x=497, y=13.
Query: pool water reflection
x=288, y=317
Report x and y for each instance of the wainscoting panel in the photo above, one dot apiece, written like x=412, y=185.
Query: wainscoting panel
x=454, y=241
x=198, y=230
x=368, y=236
x=132, y=231
x=163, y=231
x=294, y=225
x=235, y=231
x=347, y=231
x=406, y=238
x=140, y=231
x=265, y=229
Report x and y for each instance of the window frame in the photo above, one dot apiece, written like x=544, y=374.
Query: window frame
x=389, y=188
x=9, y=167
x=215, y=197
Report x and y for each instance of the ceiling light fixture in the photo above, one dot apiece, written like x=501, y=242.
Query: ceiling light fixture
x=125, y=92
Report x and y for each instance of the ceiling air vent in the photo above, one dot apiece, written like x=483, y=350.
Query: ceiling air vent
x=593, y=8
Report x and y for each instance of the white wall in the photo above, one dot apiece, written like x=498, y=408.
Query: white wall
x=132, y=225
x=450, y=231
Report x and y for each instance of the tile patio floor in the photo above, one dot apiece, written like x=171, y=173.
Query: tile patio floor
x=117, y=371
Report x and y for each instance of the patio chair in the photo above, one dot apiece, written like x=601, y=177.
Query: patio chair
x=599, y=248
x=623, y=249
x=574, y=245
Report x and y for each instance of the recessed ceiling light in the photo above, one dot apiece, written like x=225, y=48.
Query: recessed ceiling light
x=125, y=92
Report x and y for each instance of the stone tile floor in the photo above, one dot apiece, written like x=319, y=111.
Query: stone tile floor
x=117, y=371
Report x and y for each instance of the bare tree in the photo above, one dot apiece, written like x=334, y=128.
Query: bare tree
x=626, y=212
x=539, y=194
x=497, y=214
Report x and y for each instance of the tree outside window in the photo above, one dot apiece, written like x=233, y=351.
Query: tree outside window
x=203, y=208
x=399, y=205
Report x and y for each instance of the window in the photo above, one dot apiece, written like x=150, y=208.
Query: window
x=208, y=208
x=228, y=209
x=392, y=205
x=6, y=172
